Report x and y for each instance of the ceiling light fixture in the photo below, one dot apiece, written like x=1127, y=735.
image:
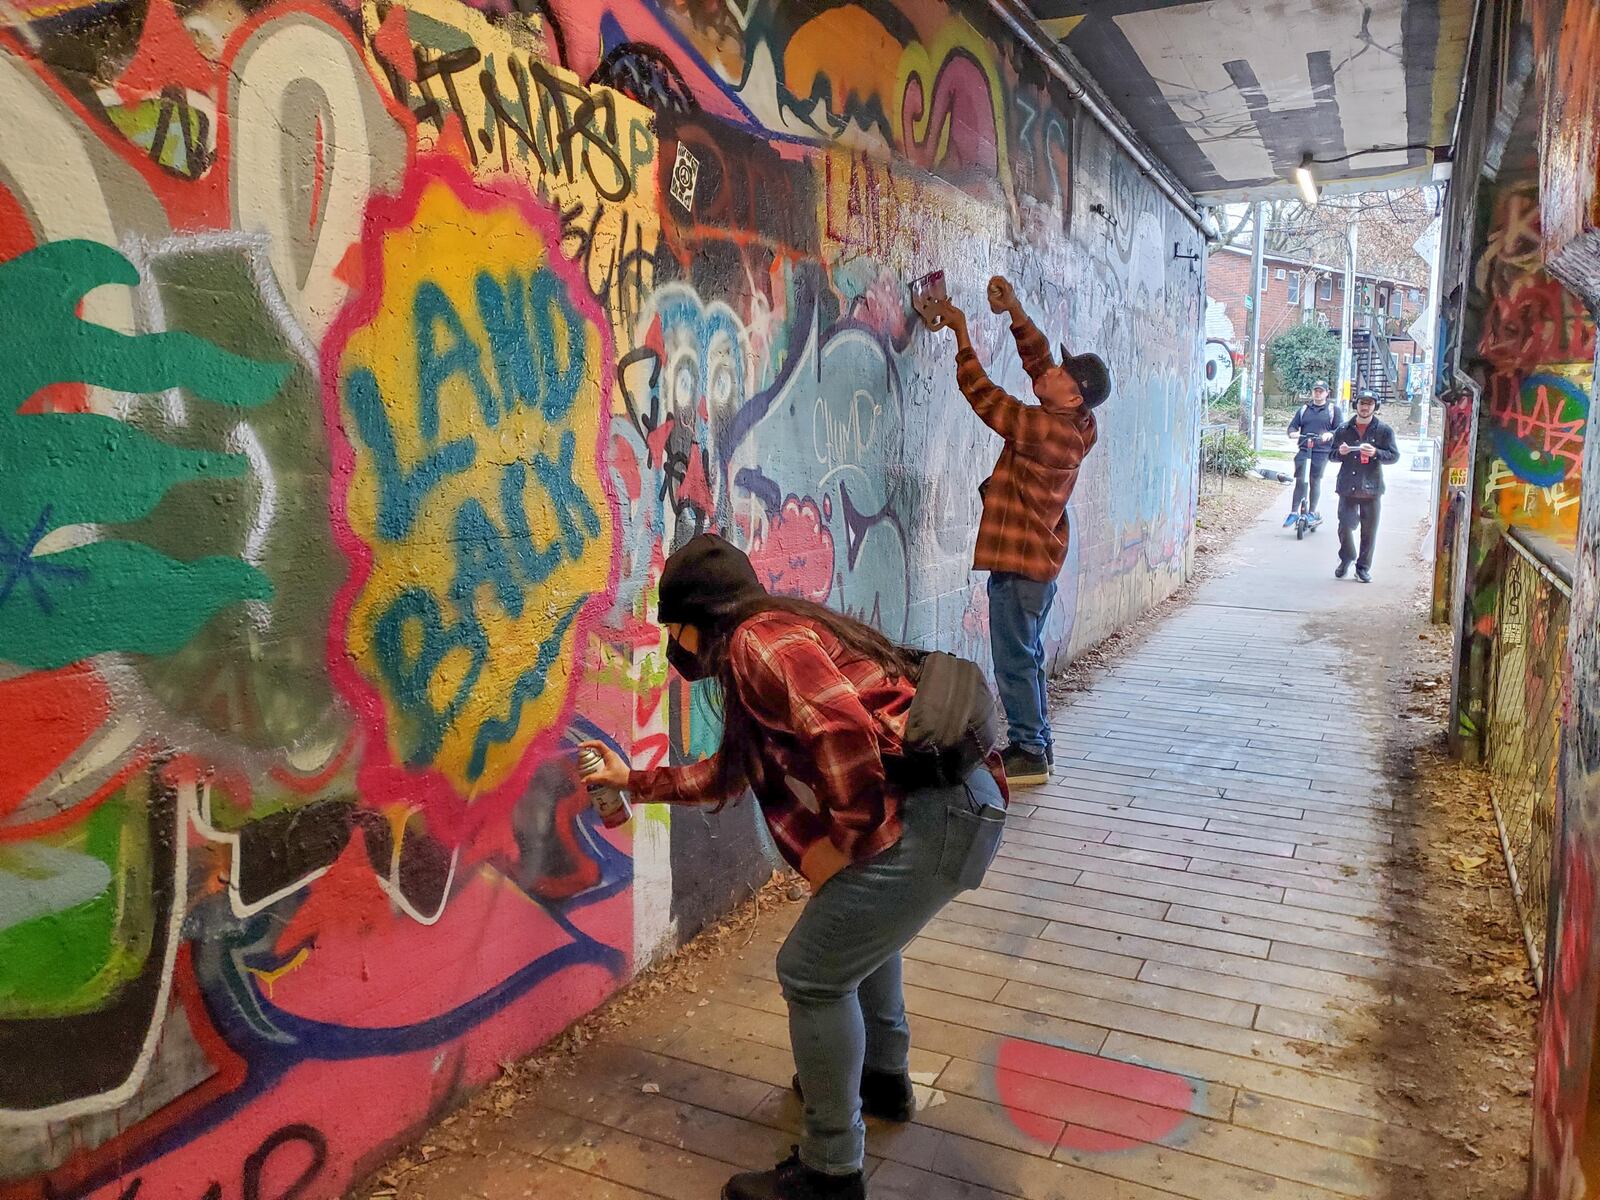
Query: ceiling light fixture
x=1306, y=180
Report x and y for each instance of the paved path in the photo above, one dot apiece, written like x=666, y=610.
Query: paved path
x=1172, y=983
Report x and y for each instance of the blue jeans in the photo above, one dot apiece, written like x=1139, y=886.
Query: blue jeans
x=840, y=970
x=1018, y=607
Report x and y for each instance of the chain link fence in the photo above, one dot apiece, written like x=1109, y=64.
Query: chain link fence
x=1524, y=728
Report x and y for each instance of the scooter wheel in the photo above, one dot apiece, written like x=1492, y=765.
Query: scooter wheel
x=1299, y=530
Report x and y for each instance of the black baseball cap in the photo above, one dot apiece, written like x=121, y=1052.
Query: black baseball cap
x=1090, y=373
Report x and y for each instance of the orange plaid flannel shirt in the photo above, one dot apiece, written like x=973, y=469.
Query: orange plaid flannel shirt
x=828, y=719
x=1024, y=526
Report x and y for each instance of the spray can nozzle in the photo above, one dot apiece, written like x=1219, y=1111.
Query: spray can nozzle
x=611, y=803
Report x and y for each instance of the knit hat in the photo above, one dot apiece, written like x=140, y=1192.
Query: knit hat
x=1089, y=372
x=708, y=583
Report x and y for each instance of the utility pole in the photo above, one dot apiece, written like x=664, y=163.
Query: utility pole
x=1347, y=318
x=1250, y=408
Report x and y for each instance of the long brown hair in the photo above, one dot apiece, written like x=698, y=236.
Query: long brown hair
x=739, y=759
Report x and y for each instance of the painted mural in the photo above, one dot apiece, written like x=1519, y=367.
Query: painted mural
x=360, y=364
x=1535, y=353
x=1565, y=1158
x=1538, y=343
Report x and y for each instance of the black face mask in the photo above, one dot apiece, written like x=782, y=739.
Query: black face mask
x=685, y=664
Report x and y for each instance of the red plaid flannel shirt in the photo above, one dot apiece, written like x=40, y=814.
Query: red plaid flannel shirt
x=830, y=717
x=1024, y=526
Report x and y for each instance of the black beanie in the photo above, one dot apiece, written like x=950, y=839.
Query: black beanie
x=709, y=584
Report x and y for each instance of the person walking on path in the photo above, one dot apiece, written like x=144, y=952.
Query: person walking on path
x=815, y=711
x=1365, y=445
x=1023, y=535
x=1312, y=426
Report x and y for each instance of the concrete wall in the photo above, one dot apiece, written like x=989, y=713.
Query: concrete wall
x=361, y=363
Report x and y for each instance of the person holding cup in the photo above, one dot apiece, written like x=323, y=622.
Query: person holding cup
x=1365, y=445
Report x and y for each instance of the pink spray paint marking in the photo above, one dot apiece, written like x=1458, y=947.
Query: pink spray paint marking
x=1105, y=1105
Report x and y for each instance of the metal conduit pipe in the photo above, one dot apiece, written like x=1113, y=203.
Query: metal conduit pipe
x=1021, y=22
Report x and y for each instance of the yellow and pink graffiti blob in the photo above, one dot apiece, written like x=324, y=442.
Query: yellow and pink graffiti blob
x=467, y=396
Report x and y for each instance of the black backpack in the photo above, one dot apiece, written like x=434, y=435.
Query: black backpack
x=953, y=723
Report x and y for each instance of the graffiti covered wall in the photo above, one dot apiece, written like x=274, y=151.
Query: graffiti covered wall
x=1565, y=1158
x=1537, y=343
x=1535, y=346
x=359, y=365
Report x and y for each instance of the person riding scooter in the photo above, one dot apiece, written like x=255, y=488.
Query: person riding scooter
x=1313, y=425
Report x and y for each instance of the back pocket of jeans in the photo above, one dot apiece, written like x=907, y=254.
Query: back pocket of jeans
x=971, y=840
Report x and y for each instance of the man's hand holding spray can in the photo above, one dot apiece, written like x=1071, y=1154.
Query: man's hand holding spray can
x=609, y=801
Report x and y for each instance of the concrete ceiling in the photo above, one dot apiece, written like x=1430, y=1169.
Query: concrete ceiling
x=1231, y=93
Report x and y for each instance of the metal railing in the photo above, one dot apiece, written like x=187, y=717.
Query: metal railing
x=1523, y=727
x=1213, y=463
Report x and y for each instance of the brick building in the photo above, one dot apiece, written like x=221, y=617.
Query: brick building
x=1296, y=290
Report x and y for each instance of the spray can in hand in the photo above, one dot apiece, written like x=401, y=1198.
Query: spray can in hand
x=609, y=802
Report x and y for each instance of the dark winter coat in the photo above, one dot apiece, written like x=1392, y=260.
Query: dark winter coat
x=1312, y=422
x=1355, y=477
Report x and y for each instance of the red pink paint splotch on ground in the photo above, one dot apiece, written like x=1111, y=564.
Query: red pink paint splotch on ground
x=1083, y=1102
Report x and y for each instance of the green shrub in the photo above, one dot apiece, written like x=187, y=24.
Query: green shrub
x=1230, y=453
x=1303, y=354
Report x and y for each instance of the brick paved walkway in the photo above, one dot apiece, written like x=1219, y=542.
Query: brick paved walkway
x=1171, y=984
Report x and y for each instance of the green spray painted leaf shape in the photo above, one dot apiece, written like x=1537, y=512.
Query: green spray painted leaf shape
x=61, y=469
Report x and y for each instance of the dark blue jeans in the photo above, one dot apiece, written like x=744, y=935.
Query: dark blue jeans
x=1018, y=607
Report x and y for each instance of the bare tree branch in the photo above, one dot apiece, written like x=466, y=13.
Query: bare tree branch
x=1389, y=223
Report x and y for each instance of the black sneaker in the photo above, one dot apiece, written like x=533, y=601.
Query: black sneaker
x=1341, y=570
x=886, y=1095
x=793, y=1180
x=1025, y=768
x=1364, y=575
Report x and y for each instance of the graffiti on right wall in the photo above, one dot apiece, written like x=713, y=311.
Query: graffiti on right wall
x=1538, y=342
